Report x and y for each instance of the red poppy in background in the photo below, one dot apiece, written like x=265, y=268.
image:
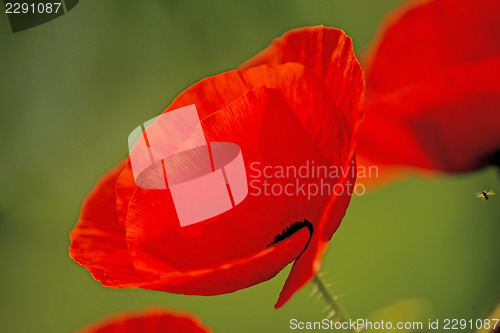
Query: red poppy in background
x=150, y=320
x=433, y=88
x=300, y=105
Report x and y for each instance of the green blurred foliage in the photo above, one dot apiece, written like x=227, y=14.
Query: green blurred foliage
x=71, y=91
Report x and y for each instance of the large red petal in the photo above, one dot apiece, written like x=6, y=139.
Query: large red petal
x=422, y=40
x=432, y=87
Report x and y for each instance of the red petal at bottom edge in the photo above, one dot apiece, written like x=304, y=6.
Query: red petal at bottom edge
x=151, y=320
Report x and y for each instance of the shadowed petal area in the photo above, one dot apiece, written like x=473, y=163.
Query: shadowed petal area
x=309, y=264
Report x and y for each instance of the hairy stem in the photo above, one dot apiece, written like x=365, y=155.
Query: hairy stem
x=333, y=302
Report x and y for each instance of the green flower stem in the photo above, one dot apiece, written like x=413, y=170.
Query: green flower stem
x=332, y=301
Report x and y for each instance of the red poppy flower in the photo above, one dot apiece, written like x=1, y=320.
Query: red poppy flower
x=433, y=93
x=151, y=320
x=296, y=110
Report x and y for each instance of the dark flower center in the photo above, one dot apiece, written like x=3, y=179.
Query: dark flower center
x=495, y=160
x=293, y=228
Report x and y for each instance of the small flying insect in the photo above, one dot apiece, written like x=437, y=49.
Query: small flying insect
x=485, y=195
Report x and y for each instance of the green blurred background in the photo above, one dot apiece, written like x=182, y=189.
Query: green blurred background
x=73, y=89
